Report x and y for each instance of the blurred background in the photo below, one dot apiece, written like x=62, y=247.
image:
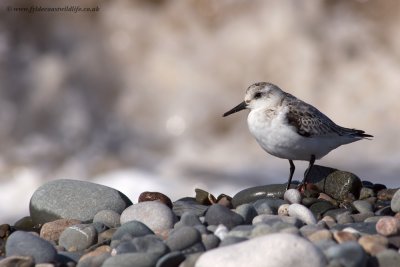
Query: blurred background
x=132, y=96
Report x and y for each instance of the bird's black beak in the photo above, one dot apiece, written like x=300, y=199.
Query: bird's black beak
x=239, y=107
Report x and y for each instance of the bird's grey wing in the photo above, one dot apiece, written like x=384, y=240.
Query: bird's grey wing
x=309, y=121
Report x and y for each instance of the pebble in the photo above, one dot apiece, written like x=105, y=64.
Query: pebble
x=146, y=244
x=22, y=243
x=388, y=258
x=321, y=207
x=17, y=261
x=230, y=240
x=183, y=238
x=259, y=192
x=152, y=196
x=303, y=213
x=132, y=228
x=78, y=237
x=388, y=194
x=292, y=196
x=388, y=226
x=171, y=259
x=221, y=231
x=188, y=204
x=218, y=214
x=344, y=236
x=247, y=211
x=363, y=206
x=283, y=210
x=363, y=228
x=320, y=235
x=348, y=254
x=153, y=214
x=52, y=230
x=74, y=199
x=188, y=218
x=373, y=244
x=108, y=217
x=275, y=249
x=366, y=192
x=395, y=201
x=268, y=205
x=338, y=184
x=210, y=241
x=137, y=259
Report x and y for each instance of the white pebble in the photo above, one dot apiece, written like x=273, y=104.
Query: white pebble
x=283, y=210
x=292, y=196
x=302, y=213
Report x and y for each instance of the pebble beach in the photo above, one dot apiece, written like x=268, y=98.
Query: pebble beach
x=336, y=220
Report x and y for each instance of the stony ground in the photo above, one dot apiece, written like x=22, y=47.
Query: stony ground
x=336, y=220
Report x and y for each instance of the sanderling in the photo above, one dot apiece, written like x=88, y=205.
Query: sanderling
x=289, y=128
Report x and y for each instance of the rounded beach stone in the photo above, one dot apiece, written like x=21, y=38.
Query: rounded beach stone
x=183, y=238
x=108, y=217
x=26, y=244
x=373, y=244
x=156, y=215
x=173, y=258
x=73, y=199
x=388, y=226
x=395, y=202
x=303, y=213
x=247, y=211
x=52, y=230
x=277, y=250
x=218, y=214
x=283, y=210
x=188, y=204
x=388, y=258
x=137, y=259
x=132, y=228
x=188, y=218
x=292, y=196
x=363, y=206
x=343, y=236
x=149, y=244
x=347, y=254
x=78, y=237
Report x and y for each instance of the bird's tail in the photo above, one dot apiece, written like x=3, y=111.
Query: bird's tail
x=358, y=133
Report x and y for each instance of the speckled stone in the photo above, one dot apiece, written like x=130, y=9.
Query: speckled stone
x=52, y=230
x=336, y=183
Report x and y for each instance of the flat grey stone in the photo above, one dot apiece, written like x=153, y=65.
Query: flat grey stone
x=73, y=199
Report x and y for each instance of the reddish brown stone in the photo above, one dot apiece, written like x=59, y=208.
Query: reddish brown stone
x=98, y=251
x=151, y=196
x=225, y=200
x=52, y=230
x=388, y=226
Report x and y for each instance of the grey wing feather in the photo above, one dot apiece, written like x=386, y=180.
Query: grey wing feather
x=309, y=122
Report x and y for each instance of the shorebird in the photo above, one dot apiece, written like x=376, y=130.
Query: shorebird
x=289, y=128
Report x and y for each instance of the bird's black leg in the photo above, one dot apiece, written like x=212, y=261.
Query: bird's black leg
x=312, y=160
x=292, y=168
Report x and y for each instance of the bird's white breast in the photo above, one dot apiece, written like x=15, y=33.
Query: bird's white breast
x=272, y=131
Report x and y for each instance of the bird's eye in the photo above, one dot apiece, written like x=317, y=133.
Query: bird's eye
x=257, y=95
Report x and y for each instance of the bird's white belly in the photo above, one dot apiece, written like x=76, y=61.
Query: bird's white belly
x=277, y=138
